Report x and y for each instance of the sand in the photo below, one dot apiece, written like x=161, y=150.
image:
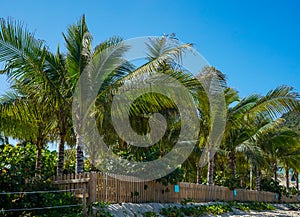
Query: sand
x=136, y=210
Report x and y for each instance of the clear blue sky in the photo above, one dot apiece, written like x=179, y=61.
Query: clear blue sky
x=255, y=43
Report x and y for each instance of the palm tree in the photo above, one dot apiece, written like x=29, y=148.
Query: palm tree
x=242, y=117
x=161, y=59
x=41, y=74
x=251, y=148
x=282, y=147
x=205, y=123
x=27, y=120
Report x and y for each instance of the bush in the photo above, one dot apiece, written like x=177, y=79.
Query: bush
x=194, y=210
x=260, y=206
x=17, y=165
x=228, y=181
x=171, y=212
x=268, y=184
x=101, y=209
x=149, y=214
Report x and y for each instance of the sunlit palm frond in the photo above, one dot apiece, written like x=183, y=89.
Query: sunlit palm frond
x=278, y=101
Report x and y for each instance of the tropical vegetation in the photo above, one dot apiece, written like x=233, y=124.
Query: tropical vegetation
x=261, y=136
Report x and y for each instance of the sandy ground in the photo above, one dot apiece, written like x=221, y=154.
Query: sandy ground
x=136, y=210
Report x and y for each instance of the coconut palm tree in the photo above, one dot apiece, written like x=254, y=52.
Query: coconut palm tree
x=41, y=74
x=251, y=111
x=251, y=148
x=27, y=120
x=161, y=59
x=282, y=148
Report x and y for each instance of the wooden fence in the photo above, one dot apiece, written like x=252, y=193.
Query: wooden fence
x=102, y=187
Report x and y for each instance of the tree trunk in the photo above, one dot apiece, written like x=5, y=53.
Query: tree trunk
x=251, y=175
x=6, y=140
x=61, y=153
x=275, y=171
x=297, y=180
x=79, y=154
x=199, y=174
x=242, y=182
x=210, y=171
x=287, y=180
x=38, y=162
x=232, y=163
x=257, y=178
x=62, y=125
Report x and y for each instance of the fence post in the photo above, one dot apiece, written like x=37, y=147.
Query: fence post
x=84, y=200
x=92, y=187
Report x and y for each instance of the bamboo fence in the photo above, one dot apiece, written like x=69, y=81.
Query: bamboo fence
x=108, y=188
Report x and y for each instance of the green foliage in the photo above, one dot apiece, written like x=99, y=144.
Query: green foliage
x=215, y=209
x=294, y=191
x=268, y=184
x=149, y=154
x=100, y=209
x=17, y=165
x=149, y=214
x=171, y=212
x=243, y=207
x=70, y=162
x=172, y=178
x=194, y=210
x=39, y=200
x=218, y=209
x=44, y=84
x=292, y=120
x=227, y=180
x=260, y=206
x=240, y=206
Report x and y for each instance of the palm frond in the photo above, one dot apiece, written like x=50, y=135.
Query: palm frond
x=278, y=101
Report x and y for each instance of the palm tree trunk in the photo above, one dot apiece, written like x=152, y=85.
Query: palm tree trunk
x=257, y=178
x=38, y=162
x=210, y=170
x=6, y=140
x=62, y=125
x=232, y=163
x=199, y=174
x=61, y=153
x=275, y=171
x=251, y=174
x=79, y=154
x=297, y=180
x=287, y=181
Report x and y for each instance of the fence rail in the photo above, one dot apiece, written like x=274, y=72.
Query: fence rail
x=103, y=187
x=25, y=208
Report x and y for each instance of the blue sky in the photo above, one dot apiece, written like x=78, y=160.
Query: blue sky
x=255, y=43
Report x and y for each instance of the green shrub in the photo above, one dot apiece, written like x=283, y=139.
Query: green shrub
x=240, y=206
x=218, y=209
x=193, y=210
x=17, y=165
x=101, y=210
x=260, y=206
x=149, y=214
x=171, y=212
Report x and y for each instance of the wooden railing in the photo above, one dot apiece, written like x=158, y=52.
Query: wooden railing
x=103, y=187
